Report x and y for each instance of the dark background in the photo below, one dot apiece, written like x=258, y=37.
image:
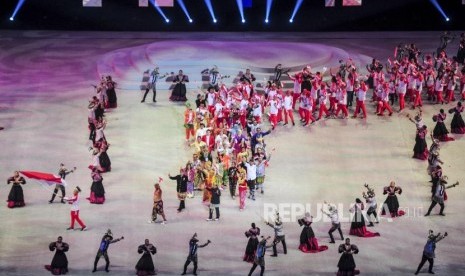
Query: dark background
x=125, y=15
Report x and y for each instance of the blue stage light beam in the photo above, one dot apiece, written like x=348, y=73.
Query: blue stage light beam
x=438, y=7
x=268, y=9
x=241, y=9
x=296, y=9
x=17, y=8
x=184, y=9
x=210, y=9
x=159, y=11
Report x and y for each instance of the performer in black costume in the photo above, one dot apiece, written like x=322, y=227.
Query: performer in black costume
x=152, y=84
x=192, y=257
x=62, y=172
x=428, y=251
x=252, y=244
x=107, y=239
x=59, y=263
x=145, y=264
x=346, y=263
x=179, y=91
x=16, y=196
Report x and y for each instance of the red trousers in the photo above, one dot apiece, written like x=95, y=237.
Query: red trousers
x=289, y=113
x=342, y=107
x=75, y=217
x=430, y=91
x=308, y=116
x=401, y=101
x=383, y=105
x=332, y=104
x=258, y=119
x=409, y=95
x=295, y=96
x=439, y=98
x=418, y=101
x=323, y=109
x=450, y=96
x=273, y=120
x=189, y=133
x=302, y=113
x=280, y=115
x=360, y=105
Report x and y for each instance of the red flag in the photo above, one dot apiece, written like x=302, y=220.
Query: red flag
x=45, y=178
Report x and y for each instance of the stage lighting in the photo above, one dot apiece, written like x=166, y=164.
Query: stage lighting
x=159, y=10
x=268, y=9
x=184, y=9
x=440, y=10
x=210, y=9
x=17, y=8
x=190, y=20
x=240, y=6
x=298, y=3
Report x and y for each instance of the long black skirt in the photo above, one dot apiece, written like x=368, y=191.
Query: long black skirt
x=105, y=162
x=145, y=265
x=16, y=196
x=179, y=93
x=112, y=99
x=346, y=263
x=59, y=264
x=420, y=150
x=457, y=125
x=250, y=250
x=440, y=132
x=97, y=193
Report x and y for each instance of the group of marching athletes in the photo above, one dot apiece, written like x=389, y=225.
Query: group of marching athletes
x=226, y=131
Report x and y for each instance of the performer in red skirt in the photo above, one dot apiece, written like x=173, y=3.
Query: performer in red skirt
x=358, y=226
x=308, y=242
x=391, y=204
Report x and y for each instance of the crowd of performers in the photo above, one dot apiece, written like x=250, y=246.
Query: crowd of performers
x=226, y=129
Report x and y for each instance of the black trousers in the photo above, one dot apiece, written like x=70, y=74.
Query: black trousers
x=97, y=258
x=182, y=205
x=147, y=91
x=423, y=261
x=434, y=204
x=55, y=191
x=278, y=240
x=262, y=269
x=217, y=211
x=372, y=212
x=334, y=228
x=188, y=261
x=350, y=98
x=232, y=187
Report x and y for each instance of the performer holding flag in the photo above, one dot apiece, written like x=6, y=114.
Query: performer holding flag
x=62, y=172
x=75, y=209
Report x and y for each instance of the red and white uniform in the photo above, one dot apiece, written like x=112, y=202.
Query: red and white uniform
x=361, y=94
x=341, y=96
x=273, y=112
x=75, y=211
x=322, y=102
x=288, y=102
x=401, y=90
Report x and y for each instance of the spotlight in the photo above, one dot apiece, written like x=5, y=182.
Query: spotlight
x=243, y=20
x=17, y=8
x=210, y=9
x=298, y=3
x=184, y=9
x=190, y=20
x=240, y=6
x=268, y=9
x=439, y=8
x=159, y=10
x=167, y=20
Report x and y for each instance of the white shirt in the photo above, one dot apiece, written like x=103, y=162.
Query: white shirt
x=251, y=171
x=288, y=102
x=361, y=94
x=74, y=201
x=273, y=107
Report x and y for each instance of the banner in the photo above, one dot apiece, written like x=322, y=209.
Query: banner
x=330, y=3
x=164, y=3
x=92, y=3
x=351, y=2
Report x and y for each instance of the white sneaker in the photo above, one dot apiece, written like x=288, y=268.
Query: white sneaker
x=163, y=222
x=217, y=219
x=208, y=219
